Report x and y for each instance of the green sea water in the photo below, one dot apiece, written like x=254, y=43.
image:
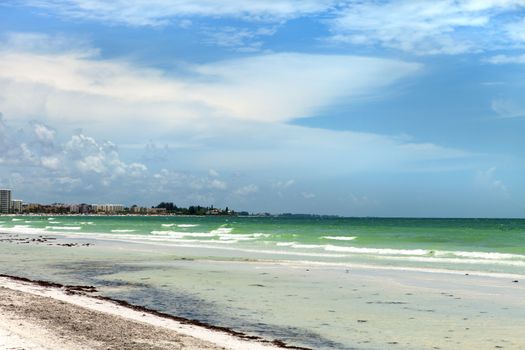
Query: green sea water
x=485, y=245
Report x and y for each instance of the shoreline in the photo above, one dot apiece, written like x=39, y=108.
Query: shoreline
x=43, y=236
x=79, y=296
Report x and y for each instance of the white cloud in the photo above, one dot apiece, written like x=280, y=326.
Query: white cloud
x=91, y=169
x=50, y=162
x=231, y=116
x=486, y=179
x=516, y=30
x=161, y=12
x=423, y=27
x=283, y=184
x=247, y=190
x=44, y=133
x=308, y=195
x=241, y=39
x=508, y=108
x=267, y=88
x=506, y=59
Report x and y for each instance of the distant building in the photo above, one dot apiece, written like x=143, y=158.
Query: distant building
x=107, y=208
x=5, y=201
x=74, y=208
x=32, y=207
x=16, y=206
x=84, y=208
x=156, y=211
x=135, y=209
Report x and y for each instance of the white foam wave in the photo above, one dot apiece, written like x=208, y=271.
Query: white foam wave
x=480, y=255
x=15, y=219
x=167, y=225
x=285, y=244
x=222, y=230
x=54, y=222
x=183, y=234
x=21, y=226
x=187, y=225
x=122, y=231
x=257, y=234
x=86, y=223
x=75, y=228
x=376, y=251
x=230, y=236
x=50, y=219
x=307, y=246
x=340, y=238
x=429, y=259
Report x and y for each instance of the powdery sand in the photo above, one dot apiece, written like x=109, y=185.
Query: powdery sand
x=35, y=317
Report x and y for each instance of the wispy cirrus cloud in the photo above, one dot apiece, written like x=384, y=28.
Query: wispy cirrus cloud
x=264, y=88
x=425, y=27
x=508, y=108
x=420, y=27
x=506, y=59
x=161, y=12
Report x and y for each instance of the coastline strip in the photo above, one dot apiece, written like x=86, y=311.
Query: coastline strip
x=196, y=335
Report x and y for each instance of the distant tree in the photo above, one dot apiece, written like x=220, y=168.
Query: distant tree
x=169, y=206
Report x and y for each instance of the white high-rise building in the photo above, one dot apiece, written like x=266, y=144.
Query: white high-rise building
x=5, y=201
x=16, y=206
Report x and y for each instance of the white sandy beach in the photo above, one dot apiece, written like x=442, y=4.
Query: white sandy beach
x=34, y=317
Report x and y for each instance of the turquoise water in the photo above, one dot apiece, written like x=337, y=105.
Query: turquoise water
x=485, y=245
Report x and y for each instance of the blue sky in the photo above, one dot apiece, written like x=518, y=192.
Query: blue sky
x=359, y=108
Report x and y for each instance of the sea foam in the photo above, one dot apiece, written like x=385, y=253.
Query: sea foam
x=65, y=228
x=340, y=238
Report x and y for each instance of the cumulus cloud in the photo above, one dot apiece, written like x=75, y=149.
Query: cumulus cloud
x=90, y=169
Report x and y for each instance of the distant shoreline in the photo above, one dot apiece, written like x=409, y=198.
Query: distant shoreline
x=264, y=216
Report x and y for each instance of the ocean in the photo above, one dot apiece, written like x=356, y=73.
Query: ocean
x=323, y=283
x=482, y=245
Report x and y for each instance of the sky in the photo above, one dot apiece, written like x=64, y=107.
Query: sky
x=351, y=107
